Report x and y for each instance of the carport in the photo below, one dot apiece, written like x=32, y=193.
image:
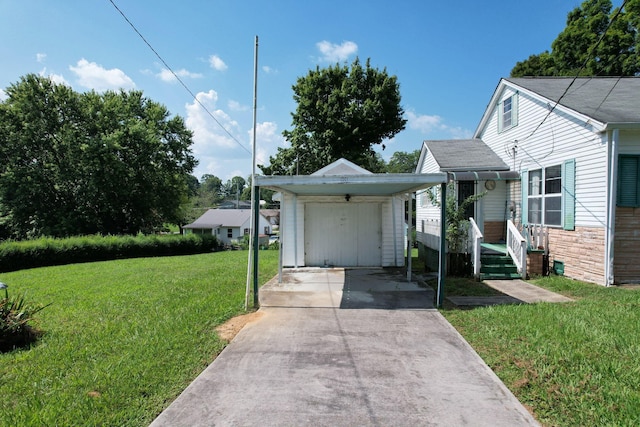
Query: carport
x=347, y=185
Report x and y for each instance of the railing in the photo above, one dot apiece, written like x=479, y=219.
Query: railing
x=517, y=248
x=475, y=236
x=537, y=236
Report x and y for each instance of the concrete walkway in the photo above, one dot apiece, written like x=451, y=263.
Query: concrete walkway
x=515, y=292
x=339, y=362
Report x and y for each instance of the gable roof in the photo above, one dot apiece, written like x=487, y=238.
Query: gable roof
x=342, y=167
x=214, y=218
x=464, y=155
x=605, y=99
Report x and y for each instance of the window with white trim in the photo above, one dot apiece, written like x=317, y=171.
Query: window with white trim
x=545, y=196
x=508, y=113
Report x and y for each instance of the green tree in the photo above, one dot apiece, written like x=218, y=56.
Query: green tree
x=89, y=163
x=576, y=49
x=234, y=187
x=457, y=222
x=403, y=162
x=341, y=111
x=211, y=190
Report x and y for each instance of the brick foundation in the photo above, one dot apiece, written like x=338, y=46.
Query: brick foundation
x=582, y=252
x=535, y=263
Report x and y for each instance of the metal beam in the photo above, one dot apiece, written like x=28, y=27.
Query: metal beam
x=256, y=244
x=443, y=239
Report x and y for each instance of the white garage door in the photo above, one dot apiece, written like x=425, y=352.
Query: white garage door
x=343, y=234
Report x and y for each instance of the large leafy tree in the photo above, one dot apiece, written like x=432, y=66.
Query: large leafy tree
x=576, y=50
x=342, y=111
x=79, y=163
x=403, y=162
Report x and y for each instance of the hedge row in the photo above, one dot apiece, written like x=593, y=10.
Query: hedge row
x=19, y=255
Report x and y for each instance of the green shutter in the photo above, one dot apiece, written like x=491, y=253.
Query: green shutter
x=499, y=117
x=524, y=183
x=569, y=194
x=628, y=181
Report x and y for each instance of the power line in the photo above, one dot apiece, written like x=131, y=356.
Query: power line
x=178, y=78
x=586, y=61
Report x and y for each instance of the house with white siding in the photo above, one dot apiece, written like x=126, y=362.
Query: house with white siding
x=344, y=215
x=228, y=225
x=574, y=145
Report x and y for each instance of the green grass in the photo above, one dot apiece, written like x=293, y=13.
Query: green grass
x=571, y=364
x=122, y=338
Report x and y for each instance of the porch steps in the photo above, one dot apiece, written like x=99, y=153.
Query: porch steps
x=497, y=267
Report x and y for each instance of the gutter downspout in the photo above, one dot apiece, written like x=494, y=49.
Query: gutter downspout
x=611, y=209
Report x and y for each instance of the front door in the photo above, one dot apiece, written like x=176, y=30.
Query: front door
x=466, y=189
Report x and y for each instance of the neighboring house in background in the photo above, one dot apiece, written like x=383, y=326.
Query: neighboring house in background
x=228, y=225
x=575, y=145
x=273, y=216
x=235, y=204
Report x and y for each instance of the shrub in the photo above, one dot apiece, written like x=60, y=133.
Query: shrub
x=48, y=251
x=15, y=330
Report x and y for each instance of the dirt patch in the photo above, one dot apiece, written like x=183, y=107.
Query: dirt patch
x=228, y=330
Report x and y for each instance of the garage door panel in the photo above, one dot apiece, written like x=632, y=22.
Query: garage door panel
x=343, y=234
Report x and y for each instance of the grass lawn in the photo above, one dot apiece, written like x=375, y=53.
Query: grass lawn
x=122, y=338
x=571, y=364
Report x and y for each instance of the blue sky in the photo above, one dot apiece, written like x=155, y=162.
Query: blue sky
x=448, y=58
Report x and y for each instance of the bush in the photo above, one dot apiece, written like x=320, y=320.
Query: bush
x=48, y=251
x=15, y=315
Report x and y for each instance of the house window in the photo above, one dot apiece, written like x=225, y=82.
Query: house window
x=229, y=232
x=246, y=231
x=545, y=196
x=508, y=113
x=628, y=194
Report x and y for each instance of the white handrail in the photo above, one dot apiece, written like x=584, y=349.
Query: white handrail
x=517, y=248
x=475, y=235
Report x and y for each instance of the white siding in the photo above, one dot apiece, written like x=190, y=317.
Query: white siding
x=493, y=203
x=629, y=142
x=561, y=137
x=428, y=214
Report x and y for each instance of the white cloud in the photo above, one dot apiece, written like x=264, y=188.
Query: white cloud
x=269, y=70
x=268, y=139
x=94, y=76
x=41, y=57
x=426, y=124
x=56, y=78
x=217, y=63
x=3, y=95
x=423, y=122
x=208, y=136
x=236, y=106
x=336, y=52
x=167, y=76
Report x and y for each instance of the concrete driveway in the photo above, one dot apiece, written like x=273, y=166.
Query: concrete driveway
x=337, y=361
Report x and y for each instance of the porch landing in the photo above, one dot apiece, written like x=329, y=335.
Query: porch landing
x=500, y=248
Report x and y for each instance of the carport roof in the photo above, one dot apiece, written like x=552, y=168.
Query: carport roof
x=360, y=184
